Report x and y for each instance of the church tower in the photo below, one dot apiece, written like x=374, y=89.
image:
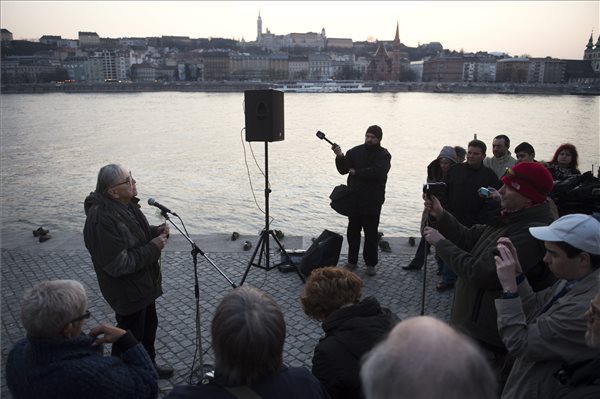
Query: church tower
x=258, y=27
x=587, y=53
x=396, y=55
x=592, y=53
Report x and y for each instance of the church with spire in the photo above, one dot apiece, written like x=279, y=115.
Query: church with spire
x=386, y=67
x=273, y=42
x=592, y=52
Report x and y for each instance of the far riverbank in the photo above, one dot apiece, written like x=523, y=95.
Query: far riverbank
x=233, y=87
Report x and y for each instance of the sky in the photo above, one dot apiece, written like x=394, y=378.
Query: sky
x=557, y=29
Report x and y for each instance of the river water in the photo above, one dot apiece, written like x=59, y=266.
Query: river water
x=187, y=151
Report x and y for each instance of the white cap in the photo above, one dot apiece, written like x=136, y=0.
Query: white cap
x=580, y=231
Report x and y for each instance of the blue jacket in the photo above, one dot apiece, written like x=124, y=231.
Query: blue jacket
x=65, y=368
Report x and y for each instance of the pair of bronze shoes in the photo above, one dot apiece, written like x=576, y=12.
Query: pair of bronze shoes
x=247, y=244
x=42, y=234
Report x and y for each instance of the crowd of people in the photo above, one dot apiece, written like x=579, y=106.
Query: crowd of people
x=525, y=320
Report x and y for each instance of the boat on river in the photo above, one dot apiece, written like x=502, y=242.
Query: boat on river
x=353, y=86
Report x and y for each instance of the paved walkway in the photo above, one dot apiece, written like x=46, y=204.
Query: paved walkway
x=26, y=262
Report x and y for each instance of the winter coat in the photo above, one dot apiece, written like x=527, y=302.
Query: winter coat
x=543, y=341
x=288, y=383
x=64, y=368
x=580, y=380
x=499, y=165
x=372, y=164
x=463, y=200
x=350, y=332
x=469, y=252
x=559, y=173
x=126, y=262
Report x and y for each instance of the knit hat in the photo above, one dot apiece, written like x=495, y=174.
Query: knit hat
x=580, y=231
x=530, y=179
x=376, y=131
x=448, y=153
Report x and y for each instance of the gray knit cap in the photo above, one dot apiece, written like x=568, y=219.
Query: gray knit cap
x=448, y=153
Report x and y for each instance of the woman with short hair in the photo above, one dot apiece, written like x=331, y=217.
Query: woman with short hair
x=352, y=327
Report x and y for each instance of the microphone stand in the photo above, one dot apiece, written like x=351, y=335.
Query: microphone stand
x=197, y=372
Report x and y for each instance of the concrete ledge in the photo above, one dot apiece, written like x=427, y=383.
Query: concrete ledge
x=217, y=243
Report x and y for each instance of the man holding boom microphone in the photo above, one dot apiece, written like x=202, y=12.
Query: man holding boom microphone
x=367, y=166
x=125, y=251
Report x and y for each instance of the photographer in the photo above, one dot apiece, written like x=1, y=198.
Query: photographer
x=437, y=172
x=545, y=330
x=469, y=252
x=367, y=166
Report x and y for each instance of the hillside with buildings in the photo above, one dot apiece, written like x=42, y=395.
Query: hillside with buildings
x=271, y=58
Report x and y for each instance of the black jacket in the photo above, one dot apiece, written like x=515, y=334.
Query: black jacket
x=350, y=332
x=371, y=164
x=125, y=261
x=579, y=381
x=464, y=202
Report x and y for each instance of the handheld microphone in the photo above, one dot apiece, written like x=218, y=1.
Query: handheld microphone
x=152, y=202
x=321, y=136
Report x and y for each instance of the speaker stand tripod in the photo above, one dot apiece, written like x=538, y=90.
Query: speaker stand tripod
x=262, y=246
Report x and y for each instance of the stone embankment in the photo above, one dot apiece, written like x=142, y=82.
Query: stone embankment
x=240, y=86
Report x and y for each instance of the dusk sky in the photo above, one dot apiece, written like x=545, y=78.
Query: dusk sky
x=536, y=28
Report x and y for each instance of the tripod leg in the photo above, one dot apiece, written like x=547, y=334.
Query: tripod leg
x=259, y=246
x=260, y=250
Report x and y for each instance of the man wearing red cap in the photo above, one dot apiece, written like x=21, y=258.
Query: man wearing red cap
x=469, y=252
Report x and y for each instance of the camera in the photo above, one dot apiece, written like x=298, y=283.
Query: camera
x=484, y=192
x=435, y=189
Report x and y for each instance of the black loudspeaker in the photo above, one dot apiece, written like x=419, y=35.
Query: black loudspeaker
x=324, y=251
x=264, y=115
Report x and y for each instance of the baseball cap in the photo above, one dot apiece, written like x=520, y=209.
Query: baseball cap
x=579, y=230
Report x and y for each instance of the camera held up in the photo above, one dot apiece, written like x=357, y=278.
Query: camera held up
x=436, y=189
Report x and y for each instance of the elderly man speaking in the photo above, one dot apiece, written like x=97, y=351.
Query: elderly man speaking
x=469, y=252
x=125, y=252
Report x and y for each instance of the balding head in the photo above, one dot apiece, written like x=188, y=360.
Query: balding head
x=425, y=358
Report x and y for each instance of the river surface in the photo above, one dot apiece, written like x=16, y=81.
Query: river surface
x=188, y=151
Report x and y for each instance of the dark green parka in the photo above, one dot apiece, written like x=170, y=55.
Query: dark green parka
x=126, y=262
x=469, y=252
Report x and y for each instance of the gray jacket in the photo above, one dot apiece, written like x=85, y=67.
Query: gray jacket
x=543, y=341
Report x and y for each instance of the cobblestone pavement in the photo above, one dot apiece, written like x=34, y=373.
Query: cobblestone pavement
x=24, y=266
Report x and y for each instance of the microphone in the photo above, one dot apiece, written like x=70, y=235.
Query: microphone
x=152, y=202
x=321, y=135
